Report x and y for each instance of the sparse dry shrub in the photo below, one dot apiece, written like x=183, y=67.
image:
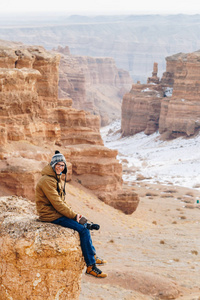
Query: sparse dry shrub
x=151, y=194
x=162, y=242
x=110, y=131
x=195, y=252
x=188, y=200
x=183, y=217
x=154, y=222
x=111, y=241
x=167, y=196
x=176, y=259
x=141, y=177
x=189, y=194
x=196, y=186
x=170, y=191
x=174, y=222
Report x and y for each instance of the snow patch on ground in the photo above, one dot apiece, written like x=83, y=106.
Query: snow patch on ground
x=169, y=162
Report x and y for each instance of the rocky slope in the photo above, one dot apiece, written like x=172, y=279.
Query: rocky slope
x=34, y=123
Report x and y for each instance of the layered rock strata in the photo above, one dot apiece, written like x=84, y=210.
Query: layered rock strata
x=94, y=84
x=170, y=105
x=141, y=109
x=181, y=115
x=29, y=105
x=38, y=260
x=141, y=106
x=97, y=168
x=154, y=78
x=34, y=123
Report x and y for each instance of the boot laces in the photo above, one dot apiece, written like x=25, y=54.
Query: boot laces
x=96, y=270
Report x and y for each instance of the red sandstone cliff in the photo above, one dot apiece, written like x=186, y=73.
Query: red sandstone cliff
x=34, y=123
x=141, y=107
x=94, y=84
x=181, y=114
x=154, y=106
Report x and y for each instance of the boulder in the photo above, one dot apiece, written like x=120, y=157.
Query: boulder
x=38, y=260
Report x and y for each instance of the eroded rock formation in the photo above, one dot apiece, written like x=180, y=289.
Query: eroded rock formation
x=38, y=260
x=30, y=107
x=141, y=106
x=154, y=106
x=94, y=84
x=154, y=78
x=181, y=115
x=34, y=123
x=141, y=109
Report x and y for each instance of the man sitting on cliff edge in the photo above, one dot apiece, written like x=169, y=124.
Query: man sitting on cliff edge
x=52, y=207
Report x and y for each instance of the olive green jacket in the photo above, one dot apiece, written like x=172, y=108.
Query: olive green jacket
x=50, y=203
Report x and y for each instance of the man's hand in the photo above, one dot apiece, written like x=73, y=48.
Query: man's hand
x=78, y=217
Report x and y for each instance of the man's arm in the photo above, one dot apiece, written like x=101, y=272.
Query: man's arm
x=49, y=188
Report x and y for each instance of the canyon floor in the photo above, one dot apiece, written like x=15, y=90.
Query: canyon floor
x=153, y=253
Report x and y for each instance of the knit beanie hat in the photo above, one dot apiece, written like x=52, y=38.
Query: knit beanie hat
x=58, y=157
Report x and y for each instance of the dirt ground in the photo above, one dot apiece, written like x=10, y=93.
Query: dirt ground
x=153, y=253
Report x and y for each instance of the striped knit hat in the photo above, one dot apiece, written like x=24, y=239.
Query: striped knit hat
x=58, y=157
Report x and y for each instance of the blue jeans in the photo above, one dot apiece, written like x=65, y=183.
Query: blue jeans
x=85, y=238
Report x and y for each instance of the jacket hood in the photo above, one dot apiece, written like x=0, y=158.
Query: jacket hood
x=48, y=170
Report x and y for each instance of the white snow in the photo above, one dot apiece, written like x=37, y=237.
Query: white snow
x=168, y=91
x=169, y=162
x=146, y=90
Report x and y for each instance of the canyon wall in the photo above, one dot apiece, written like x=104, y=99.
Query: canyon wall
x=141, y=109
x=181, y=115
x=94, y=84
x=34, y=123
x=141, y=106
x=29, y=104
x=133, y=41
x=170, y=105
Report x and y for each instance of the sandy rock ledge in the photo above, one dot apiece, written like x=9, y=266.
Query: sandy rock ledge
x=38, y=260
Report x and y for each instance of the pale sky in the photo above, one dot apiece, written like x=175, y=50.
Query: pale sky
x=96, y=7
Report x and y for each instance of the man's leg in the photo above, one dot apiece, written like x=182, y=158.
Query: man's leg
x=86, y=245
x=85, y=238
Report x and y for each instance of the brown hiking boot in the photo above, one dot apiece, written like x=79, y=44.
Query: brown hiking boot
x=100, y=261
x=94, y=271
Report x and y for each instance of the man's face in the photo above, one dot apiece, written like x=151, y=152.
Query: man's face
x=59, y=167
